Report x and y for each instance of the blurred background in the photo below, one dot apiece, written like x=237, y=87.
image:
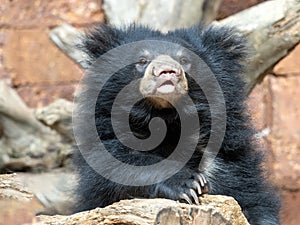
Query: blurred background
x=35, y=69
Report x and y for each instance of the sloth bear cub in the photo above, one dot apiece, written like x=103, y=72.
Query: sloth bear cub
x=162, y=115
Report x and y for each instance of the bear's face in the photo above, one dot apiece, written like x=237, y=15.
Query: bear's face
x=163, y=76
x=167, y=73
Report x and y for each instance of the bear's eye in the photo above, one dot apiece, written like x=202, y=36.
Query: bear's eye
x=183, y=61
x=143, y=60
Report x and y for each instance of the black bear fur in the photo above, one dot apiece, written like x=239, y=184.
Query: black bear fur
x=237, y=169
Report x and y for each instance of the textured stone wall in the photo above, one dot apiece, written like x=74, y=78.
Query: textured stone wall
x=41, y=73
x=276, y=112
x=29, y=61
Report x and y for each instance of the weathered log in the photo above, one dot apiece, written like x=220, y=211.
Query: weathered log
x=210, y=10
x=272, y=28
x=163, y=15
x=26, y=143
x=67, y=38
x=58, y=116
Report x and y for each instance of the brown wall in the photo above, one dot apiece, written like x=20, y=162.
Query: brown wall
x=276, y=109
x=41, y=73
x=29, y=61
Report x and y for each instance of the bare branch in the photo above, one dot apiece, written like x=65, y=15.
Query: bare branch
x=271, y=35
x=273, y=30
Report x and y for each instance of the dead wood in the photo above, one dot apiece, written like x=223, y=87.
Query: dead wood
x=272, y=28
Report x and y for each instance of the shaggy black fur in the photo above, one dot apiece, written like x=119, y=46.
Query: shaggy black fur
x=236, y=170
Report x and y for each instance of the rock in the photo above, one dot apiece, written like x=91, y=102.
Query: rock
x=17, y=204
x=290, y=211
x=23, y=57
x=284, y=137
x=213, y=210
x=41, y=95
x=28, y=14
x=289, y=65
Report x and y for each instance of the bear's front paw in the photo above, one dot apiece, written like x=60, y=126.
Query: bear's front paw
x=182, y=188
x=193, y=188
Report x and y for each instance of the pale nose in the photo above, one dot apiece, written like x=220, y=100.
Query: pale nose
x=165, y=69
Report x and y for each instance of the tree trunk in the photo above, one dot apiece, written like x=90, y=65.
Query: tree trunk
x=25, y=142
x=273, y=30
x=271, y=35
x=163, y=15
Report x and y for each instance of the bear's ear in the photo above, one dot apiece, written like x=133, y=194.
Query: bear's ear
x=98, y=40
x=226, y=47
x=222, y=47
x=226, y=41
